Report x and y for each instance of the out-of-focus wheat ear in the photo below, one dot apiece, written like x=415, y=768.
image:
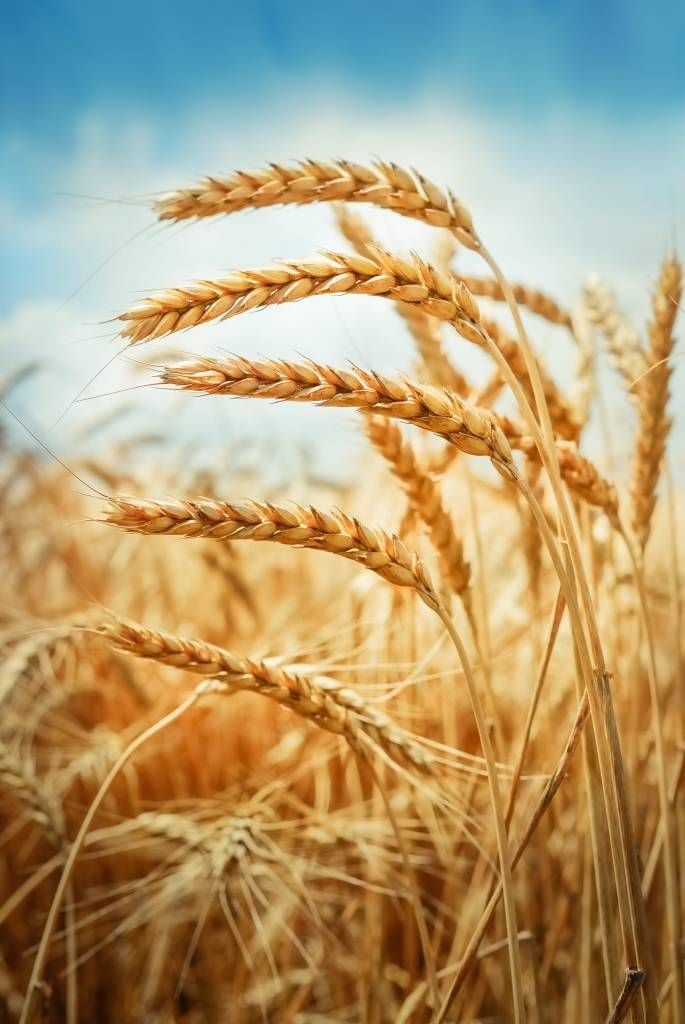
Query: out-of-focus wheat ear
x=317, y=698
x=425, y=497
x=579, y=474
x=42, y=807
x=39, y=804
x=436, y=366
x=585, y=384
x=622, y=341
x=652, y=399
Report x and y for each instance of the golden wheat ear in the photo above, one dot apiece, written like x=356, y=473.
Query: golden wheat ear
x=652, y=389
x=319, y=699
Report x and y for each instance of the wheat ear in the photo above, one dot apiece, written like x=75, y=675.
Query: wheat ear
x=319, y=699
x=311, y=181
x=293, y=525
x=473, y=430
x=653, y=394
x=425, y=497
x=412, y=281
x=622, y=342
x=17, y=778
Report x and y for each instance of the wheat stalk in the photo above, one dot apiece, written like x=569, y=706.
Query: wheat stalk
x=652, y=390
x=317, y=698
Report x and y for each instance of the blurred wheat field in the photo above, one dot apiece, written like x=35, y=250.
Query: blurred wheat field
x=244, y=783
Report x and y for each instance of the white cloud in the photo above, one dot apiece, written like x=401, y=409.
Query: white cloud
x=556, y=199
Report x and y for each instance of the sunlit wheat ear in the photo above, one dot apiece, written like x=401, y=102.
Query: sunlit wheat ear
x=424, y=329
x=410, y=281
x=293, y=525
x=319, y=699
x=425, y=497
x=311, y=181
x=622, y=341
x=652, y=390
x=474, y=431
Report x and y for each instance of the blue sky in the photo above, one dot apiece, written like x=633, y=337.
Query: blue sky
x=562, y=125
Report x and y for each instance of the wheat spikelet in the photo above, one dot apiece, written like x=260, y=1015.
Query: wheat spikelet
x=317, y=698
x=424, y=496
x=653, y=423
x=424, y=329
x=622, y=342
